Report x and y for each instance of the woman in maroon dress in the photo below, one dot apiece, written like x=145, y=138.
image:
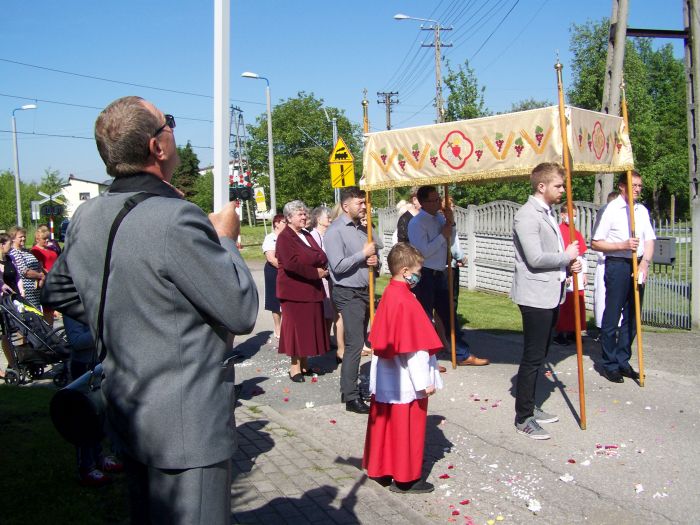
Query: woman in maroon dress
x=302, y=265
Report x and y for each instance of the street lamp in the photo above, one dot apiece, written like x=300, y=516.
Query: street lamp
x=18, y=200
x=437, y=45
x=270, y=152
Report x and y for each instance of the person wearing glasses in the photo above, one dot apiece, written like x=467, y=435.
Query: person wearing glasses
x=177, y=288
x=612, y=237
x=432, y=231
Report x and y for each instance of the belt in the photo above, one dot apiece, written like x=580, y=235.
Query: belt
x=351, y=287
x=432, y=272
x=628, y=260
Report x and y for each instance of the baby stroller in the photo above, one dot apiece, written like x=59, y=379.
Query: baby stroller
x=43, y=346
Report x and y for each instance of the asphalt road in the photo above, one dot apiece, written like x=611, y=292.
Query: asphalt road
x=637, y=461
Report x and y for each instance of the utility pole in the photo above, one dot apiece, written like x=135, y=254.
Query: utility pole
x=692, y=69
x=437, y=44
x=690, y=36
x=238, y=144
x=611, y=85
x=386, y=98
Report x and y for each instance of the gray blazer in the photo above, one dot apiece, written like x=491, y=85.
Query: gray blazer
x=174, y=293
x=538, y=258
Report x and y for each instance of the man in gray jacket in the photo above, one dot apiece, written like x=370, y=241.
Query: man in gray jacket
x=177, y=287
x=542, y=259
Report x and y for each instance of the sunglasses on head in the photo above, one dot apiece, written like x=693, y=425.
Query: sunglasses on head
x=169, y=122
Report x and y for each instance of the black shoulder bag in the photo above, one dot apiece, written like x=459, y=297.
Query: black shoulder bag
x=77, y=410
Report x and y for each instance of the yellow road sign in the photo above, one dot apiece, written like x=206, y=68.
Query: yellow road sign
x=341, y=153
x=342, y=174
x=342, y=168
x=259, y=195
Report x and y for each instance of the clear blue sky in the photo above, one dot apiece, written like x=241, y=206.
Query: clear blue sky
x=334, y=50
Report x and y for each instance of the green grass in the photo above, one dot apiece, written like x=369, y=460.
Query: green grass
x=480, y=310
x=38, y=480
x=251, y=239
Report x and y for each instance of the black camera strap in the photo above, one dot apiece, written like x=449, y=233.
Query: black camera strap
x=129, y=205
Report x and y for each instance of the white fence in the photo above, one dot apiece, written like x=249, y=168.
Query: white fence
x=486, y=236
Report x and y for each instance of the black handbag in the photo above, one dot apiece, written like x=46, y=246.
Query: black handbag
x=78, y=410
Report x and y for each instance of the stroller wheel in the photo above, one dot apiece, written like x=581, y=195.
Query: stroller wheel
x=61, y=379
x=11, y=377
x=36, y=371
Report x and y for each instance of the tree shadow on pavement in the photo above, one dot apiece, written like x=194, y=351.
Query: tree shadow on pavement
x=314, y=506
x=251, y=346
x=252, y=442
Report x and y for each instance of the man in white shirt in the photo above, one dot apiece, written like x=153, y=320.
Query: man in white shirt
x=612, y=237
x=430, y=231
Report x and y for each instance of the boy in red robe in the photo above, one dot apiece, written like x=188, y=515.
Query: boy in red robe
x=404, y=374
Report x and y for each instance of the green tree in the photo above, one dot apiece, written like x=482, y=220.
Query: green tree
x=655, y=93
x=52, y=182
x=302, y=139
x=466, y=98
x=203, y=192
x=187, y=173
x=8, y=207
x=529, y=103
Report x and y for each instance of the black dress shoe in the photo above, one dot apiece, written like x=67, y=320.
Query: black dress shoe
x=614, y=376
x=631, y=373
x=358, y=406
x=297, y=378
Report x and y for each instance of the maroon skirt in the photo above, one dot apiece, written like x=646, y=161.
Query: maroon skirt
x=304, y=332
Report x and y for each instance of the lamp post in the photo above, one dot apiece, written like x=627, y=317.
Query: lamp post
x=18, y=200
x=437, y=45
x=270, y=151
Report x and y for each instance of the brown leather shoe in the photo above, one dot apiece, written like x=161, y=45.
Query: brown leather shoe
x=472, y=360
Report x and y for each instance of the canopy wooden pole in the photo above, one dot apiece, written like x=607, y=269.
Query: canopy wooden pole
x=635, y=273
x=450, y=291
x=365, y=128
x=572, y=238
x=371, y=268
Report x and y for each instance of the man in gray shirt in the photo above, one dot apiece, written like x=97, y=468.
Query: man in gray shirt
x=349, y=257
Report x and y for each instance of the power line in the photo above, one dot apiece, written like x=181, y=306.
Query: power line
x=494, y=29
x=503, y=52
x=45, y=101
x=56, y=135
x=124, y=83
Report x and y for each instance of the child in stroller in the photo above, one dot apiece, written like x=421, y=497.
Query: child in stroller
x=42, y=346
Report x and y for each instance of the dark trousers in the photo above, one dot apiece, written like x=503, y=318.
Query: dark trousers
x=190, y=496
x=619, y=301
x=538, y=325
x=432, y=293
x=353, y=305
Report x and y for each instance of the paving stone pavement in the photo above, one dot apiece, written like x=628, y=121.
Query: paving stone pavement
x=281, y=476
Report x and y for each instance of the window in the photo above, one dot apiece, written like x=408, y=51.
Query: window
x=84, y=196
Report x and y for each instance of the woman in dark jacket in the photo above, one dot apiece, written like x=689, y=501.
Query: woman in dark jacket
x=302, y=265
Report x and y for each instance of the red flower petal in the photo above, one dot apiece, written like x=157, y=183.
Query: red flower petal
x=571, y=461
x=450, y=466
x=455, y=513
x=464, y=502
x=332, y=421
x=286, y=400
x=314, y=379
x=444, y=476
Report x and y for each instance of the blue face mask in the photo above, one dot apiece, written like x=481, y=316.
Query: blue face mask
x=412, y=280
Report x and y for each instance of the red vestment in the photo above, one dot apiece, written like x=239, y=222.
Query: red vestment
x=565, y=322
x=395, y=438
